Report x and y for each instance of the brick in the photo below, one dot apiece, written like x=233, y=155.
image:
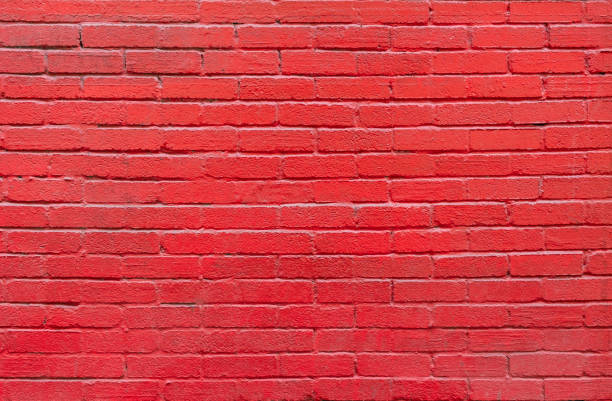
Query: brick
x=237, y=114
x=567, y=138
x=413, y=365
x=414, y=12
x=472, y=114
x=316, y=365
x=395, y=115
x=472, y=366
x=565, y=87
x=242, y=167
x=120, y=88
x=353, y=140
x=555, y=264
x=353, y=242
x=587, y=289
x=401, y=165
x=242, y=267
x=429, y=87
x=545, y=213
x=577, y=237
x=545, y=316
x=20, y=265
x=343, y=200
x=321, y=12
x=510, y=239
x=503, y=340
x=588, y=339
x=429, y=38
x=505, y=291
x=599, y=263
x=43, y=242
x=597, y=315
x=282, y=37
x=212, y=12
x=276, y=140
x=425, y=189
x=543, y=364
x=429, y=291
x=382, y=217
x=506, y=139
x=277, y=88
x=199, y=88
x=512, y=389
x=351, y=389
x=32, y=87
x=230, y=62
x=44, y=341
x=470, y=266
x=470, y=214
x=167, y=62
x=121, y=191
x=119, y=35
x=117, y=10
x=85, y=62
x=456, y=12
x=83, y=267
x=472, y=165
x=545, y=11
x=32, y=138
x=377, y=38
x=39, y=390
x=580, y=36
x=122, y=139
x=352, y=88
x=562, y=389
x=362, y=266
x=236, y=217
x=485, y=62
x=354, y=191
x=572, y=187
x=319, y=166
x=316, y=316
x=508, y=37
x=506, y=87
x=160, y=366
x=302, y=114
x=306, y=62
x=502, y=188
x=316, y=216
x=597, y=11
x=598, y=163
x=387, y=63
x=600, y=62
x=353, y=291
x=201, y=37
x=532, y=62
x=248, y=242
x=430, y=240
x=392, y=316
x=21, y=61
x=431, y=389
x=471, y=316
x=39, y=35
x=599, y=110
x=107, y=242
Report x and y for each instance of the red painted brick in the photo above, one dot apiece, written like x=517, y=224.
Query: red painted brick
x=330, y=199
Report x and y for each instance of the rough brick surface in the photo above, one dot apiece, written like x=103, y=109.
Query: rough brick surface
x=305, y=199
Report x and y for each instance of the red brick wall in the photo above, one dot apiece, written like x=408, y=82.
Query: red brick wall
x=239, y=199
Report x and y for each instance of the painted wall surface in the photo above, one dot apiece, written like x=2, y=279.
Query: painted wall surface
x=344, y=200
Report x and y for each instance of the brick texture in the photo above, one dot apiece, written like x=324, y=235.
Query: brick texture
x=305, y=200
